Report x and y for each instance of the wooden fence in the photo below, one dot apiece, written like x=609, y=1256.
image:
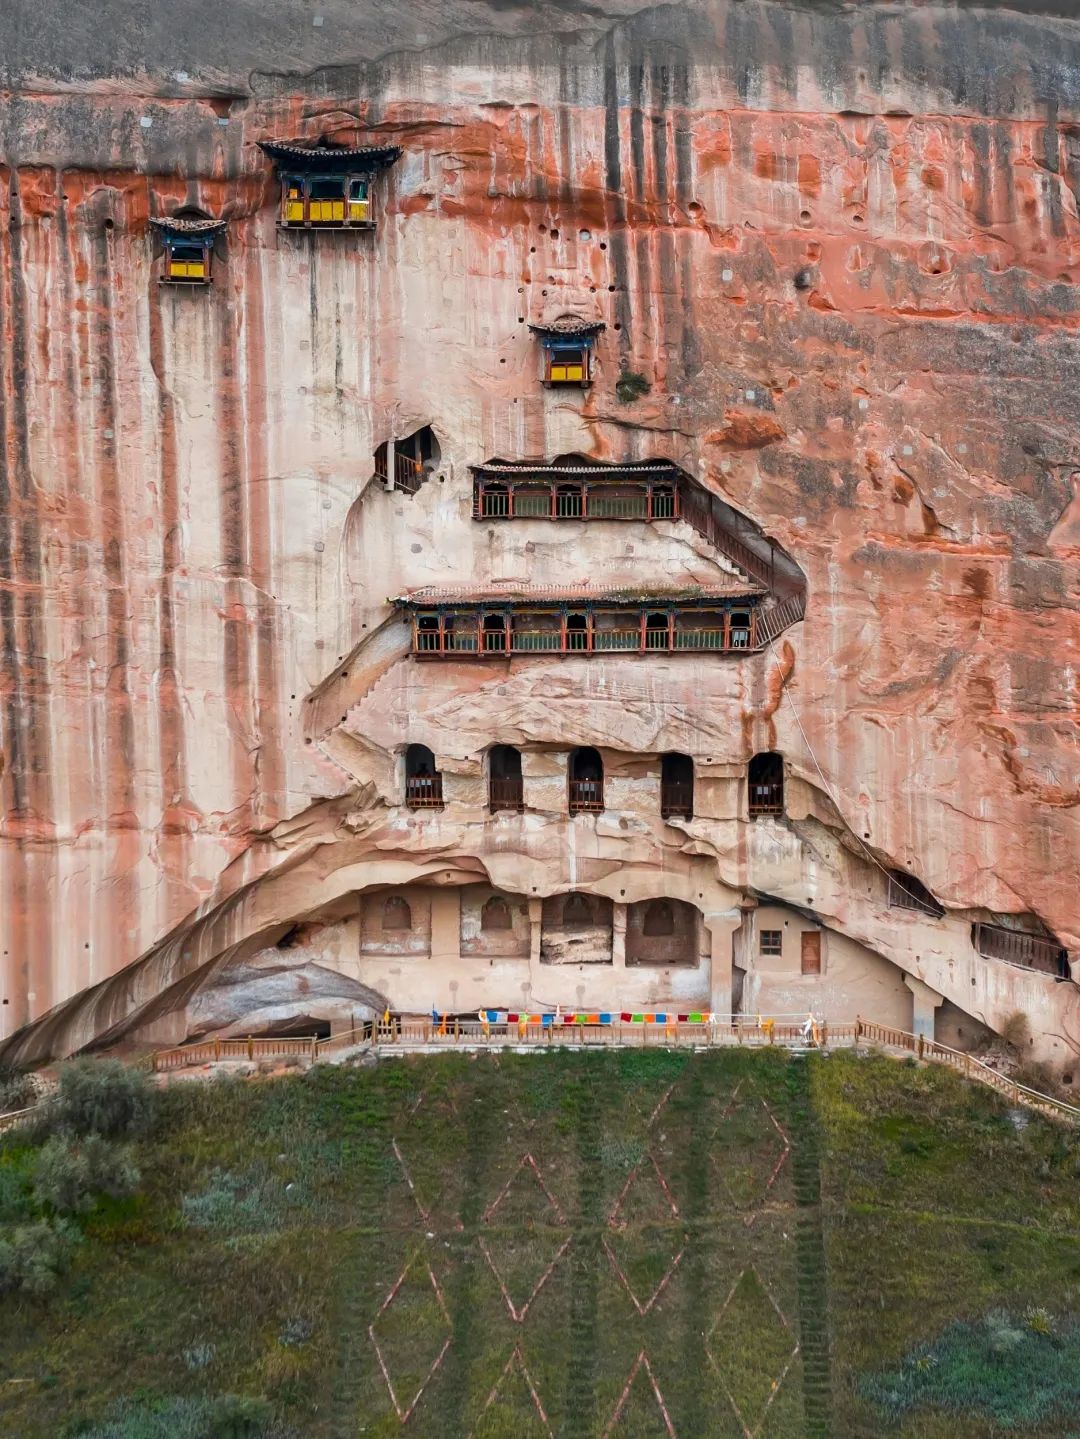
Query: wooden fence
x=400, y=1033
x=967, y=1065
x=17, y=1118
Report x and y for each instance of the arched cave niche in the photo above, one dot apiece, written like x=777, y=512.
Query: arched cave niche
x=586, y=780
x=423, y=782
x=662, y=932
x=765, y=784
x=505, y=785
x=576, y=928
x=405, y=464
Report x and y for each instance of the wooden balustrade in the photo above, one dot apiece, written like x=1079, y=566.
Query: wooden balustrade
x=1030, y=951
x=772, y=619
x=424, y=791
x=586, y=796
x=506, y=793
x=766, y=798
x=747, y=1031
x=562, y=500
x=906, y=892
x=408, y=473
x=472, y=633
x=677, y=798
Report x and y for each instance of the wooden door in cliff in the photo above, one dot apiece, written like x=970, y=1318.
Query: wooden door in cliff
x=811, y=951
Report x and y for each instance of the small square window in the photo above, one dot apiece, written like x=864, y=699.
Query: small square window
x=772, y=941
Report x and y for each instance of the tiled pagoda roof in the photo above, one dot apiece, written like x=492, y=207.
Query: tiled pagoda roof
x=360, y=158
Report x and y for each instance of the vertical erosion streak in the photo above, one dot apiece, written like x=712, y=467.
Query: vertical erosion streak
x=172, y=843
x=235, y=660
x=810, y=1256
x=121, y=761
x=616, y=198
x=270, y=774
x=27, y=737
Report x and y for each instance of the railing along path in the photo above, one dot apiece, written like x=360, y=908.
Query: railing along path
x=398, y=1034
x=724, y=1032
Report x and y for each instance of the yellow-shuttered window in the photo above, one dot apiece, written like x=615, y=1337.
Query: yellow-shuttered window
x=327, y=203
x=293, y=194
x=567, y=367
x=187, y=262
x=359, y=202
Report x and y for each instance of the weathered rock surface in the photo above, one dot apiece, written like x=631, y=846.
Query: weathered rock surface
x=841, y=245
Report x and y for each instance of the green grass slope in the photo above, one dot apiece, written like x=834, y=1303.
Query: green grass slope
x=612, y=1244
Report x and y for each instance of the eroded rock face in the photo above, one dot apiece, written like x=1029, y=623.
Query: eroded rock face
x=851, y=290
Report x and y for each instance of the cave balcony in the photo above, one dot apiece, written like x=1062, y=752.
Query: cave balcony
x=573, y=488
x=538, y=621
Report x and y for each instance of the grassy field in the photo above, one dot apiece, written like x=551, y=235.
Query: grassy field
x=611, y=1244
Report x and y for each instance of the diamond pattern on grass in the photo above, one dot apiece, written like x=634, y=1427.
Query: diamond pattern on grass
x=433, y=1184
x=755, y=1150
x=642, y=1245
x=411, y=1334
x=751, y=1346
x=641, y=1411
x=648, y=1104
x=516, y=1400
x=527, y=1237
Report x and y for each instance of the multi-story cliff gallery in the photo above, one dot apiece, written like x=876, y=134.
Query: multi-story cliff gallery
x=539, y=507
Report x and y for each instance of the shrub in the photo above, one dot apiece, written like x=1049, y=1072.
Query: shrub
x=103, y=1096
x=32, y=1257
x=70, y=1175
x=17, y=1090
x=231, y=1416
x=199, y=1356
x=1016, y=1031
x=1020, y=1374
x=250, y=1202
x=16, y=1201
x=630, y=386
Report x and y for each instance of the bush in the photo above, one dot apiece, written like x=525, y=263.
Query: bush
x=16, y=1199
x=17, y=1090
x=71, y=1175
x=630, y=386
x=1016, y=1030
x=231, y=1416
x=103, y=1096
x=252, y=1202
x=32, y=1257
x=1019, y=1373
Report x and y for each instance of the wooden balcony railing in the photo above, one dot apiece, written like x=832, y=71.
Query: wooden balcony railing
x=772, y=619
x=586, y=796
x=1029, y=950
x=907, y=893
x=677, y=799
x=528, y=500
x=408, y=473
x=424, y=791
x=464, y=634
x=506, y=793
x=767, y=798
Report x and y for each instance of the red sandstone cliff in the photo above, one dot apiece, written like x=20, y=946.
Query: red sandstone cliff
x=842, y=247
